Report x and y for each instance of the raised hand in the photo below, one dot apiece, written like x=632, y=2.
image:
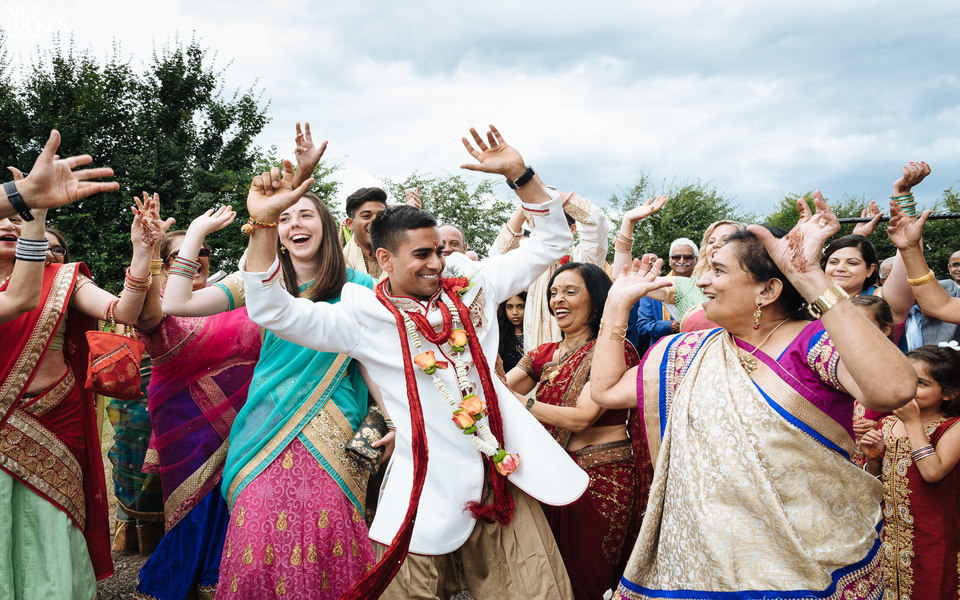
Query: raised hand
x=638, y=280
x=53, y=182
x=145, y=231
x=646, y=209
x=494, y=156
x=272, y=193
x=865, y=229
x=413, y=196
x=214, y=220
x=799, y=251
x=913, y=173
x=905, y=231
x=39, y=214
x=308, y=155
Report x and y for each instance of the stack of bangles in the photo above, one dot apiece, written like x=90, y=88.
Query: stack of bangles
x=184, y=267
x=907, y=204
x=253, y=224
x=622, y=243
x=922, y=453
x=390, y=425
x=32, y=250
x=137, y=284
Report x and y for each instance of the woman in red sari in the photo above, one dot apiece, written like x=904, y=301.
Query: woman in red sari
x=594, y=534
x=918, y=450
x=54, y=541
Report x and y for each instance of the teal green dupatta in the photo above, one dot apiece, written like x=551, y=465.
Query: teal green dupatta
x=296, y=392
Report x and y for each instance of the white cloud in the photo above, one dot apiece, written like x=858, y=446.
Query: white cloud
x=757, y=98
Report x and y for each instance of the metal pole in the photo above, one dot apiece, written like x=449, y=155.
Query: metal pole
x=953, y=215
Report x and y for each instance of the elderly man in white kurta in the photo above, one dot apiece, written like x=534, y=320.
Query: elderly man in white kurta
x=448, y=548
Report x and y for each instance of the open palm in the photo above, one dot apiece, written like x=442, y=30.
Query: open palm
x=638, y=279
x=494, y=155
x=799, y=251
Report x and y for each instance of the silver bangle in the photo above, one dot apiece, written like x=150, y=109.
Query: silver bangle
x=32, y=250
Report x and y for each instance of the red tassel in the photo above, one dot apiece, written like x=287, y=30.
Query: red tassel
x=377, y=580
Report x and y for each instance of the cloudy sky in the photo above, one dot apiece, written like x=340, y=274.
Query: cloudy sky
x=757, y=98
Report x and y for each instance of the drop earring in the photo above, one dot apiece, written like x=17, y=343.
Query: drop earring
x=756, y=315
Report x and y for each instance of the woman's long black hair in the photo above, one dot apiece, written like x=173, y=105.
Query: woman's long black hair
x=507, y=331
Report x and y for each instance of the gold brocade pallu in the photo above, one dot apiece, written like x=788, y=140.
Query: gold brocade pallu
x=749, y=498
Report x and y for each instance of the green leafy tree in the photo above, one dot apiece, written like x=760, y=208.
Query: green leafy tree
x=451, y=199
x=169, y=129
x=690, y=209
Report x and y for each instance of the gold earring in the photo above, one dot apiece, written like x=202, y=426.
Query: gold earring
x=756, y=315
x=283, y=249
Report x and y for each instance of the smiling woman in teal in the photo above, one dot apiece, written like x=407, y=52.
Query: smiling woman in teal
x=294, y=494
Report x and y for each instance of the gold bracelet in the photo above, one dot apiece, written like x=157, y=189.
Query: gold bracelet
x=827, y=300
x=923, y=279
x=156, y=266
x=618, y=333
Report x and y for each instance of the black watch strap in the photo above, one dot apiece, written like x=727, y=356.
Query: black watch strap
x=523, y=179
x=16, y=201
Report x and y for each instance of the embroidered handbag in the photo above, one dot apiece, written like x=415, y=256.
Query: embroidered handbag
x=371, y=429
x=113, y=369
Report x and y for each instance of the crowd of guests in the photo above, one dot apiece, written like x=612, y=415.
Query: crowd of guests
x=765, y=414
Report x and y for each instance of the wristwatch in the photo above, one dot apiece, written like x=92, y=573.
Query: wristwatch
x=523, y=179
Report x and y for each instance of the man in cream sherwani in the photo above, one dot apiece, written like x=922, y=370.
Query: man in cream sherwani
x=449, y=550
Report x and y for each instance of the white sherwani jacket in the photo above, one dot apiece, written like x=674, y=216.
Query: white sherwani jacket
x=361, y=327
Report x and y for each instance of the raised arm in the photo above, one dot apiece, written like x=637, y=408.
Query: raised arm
x=308, y=155
x=26, y=280
x=623, y=244
x=510, y=234
x=144, y=235
x=550, y=237
x=797, y=255
x=866, y=229
x=612, y=384
x=152, y=313
x=52, y=182
x=593, y=227
x=896, y=290
x=180, y=298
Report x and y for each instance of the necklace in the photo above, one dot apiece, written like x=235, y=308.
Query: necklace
x=749, y=361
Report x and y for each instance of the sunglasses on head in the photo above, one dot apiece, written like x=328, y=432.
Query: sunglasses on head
x=203, y=253
x=682, y=257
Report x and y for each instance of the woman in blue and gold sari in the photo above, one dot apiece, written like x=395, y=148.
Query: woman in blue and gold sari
x=750, y=427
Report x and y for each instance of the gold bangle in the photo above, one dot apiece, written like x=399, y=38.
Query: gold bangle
x=923, y=279
x=827, y=300
x=156, y=266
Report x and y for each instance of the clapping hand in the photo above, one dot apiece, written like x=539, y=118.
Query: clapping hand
x=799, y=251
x=638, y=280
x=494, y=156
x=272, y=193
x=646, y=209
x=146, y=229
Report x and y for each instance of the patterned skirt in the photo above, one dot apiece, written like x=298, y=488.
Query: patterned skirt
x=596, y=533
x=294, y=533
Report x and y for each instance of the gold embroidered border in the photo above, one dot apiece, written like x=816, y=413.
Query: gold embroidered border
x=49, y=399
x=52, y=312
x=330, y=433
x=176, y=506
x=651, y=398
x=31, y=453
x=824, y=359
x=793, y=402
x=603, y=454
x=287, y=431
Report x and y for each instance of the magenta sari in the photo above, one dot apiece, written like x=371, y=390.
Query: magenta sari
x=202, y=368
